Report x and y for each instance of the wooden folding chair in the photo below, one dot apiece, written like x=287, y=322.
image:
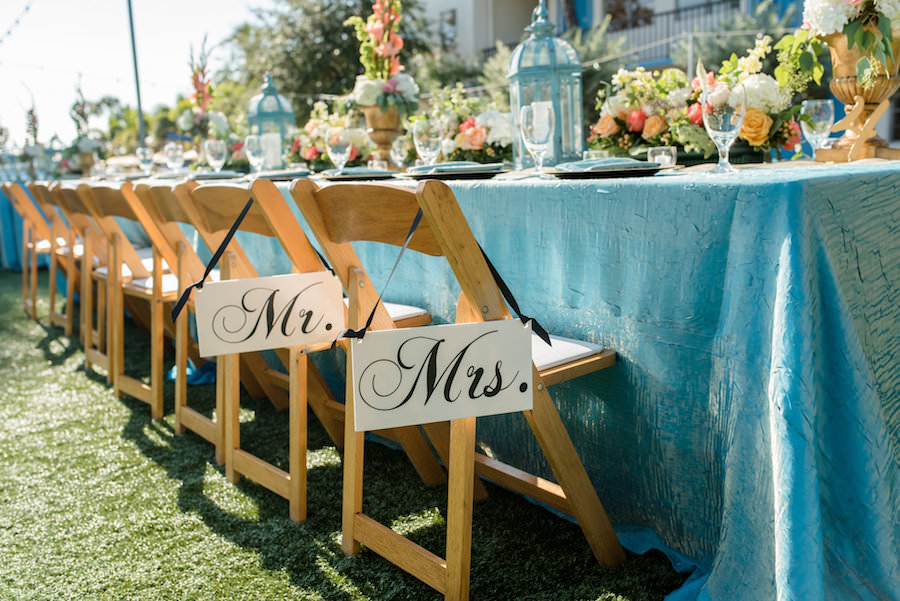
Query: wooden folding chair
x=341, y=214
x=92, y=315
x=270, y=215
x=65, y=257
x=38, y=238
x=133, y=274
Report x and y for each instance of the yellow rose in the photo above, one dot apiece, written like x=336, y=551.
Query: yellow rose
x=653, y=126
x=606, y=126
x=756, y=127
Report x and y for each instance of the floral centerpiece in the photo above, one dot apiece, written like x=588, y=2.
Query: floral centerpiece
x=642, y=109
x=309, y=144
x=477, y=130
x=384, y=93
x=197, y=121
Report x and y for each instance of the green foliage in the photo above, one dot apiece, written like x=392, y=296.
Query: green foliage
x=493, y=76
x=798, y=61
x=433, y=70
x=307, y=48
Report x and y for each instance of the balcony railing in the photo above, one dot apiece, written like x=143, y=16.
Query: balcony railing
x=655, y=34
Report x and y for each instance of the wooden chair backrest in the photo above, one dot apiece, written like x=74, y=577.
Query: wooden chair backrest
x=27, y=210
x=162, y=207
x=101, y=203
x=341, y=214
x=220, y=204
x=49, y=205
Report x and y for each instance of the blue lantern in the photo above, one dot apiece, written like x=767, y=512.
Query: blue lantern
x=547, y=68
x=270, y=112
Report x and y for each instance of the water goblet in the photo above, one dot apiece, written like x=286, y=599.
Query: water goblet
x=216, y=153
x=145, y=158
x=427, y=135
x=253, y=148
x=817, y=127
x=538, y=124
x=339, y=145
x=724, y=109
x=400, y=148
x=174, y=155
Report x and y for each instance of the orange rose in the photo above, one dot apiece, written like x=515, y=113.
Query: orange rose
x=472, y=138
x=756, y=127
x=653, y=126
x=606, y=126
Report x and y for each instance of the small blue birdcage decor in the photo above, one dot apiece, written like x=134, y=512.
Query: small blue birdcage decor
x=547, y=68
x=270, y=112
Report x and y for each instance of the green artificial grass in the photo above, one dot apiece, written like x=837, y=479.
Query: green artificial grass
x=98, y=501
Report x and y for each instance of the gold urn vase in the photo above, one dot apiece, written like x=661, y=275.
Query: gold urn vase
x=383, y=129
x=846, y=87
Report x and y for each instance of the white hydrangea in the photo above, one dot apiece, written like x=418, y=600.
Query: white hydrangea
x=499, y=126
x=407, y=86
x=889, y=8
x=829, y=16
x=366, y=90
x=358, y=137
x=185, y=120
x=718, y=94
x=219, y=122
x=678, y=98
x=764, y=93
x=448, y=145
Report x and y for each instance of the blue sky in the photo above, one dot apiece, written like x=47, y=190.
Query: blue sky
x=56, y=40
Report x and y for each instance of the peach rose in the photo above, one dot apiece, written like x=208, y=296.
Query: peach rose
x=606, y=126
x=695, y=113
x=756, y=127
x=653, y=126
x=471, y=139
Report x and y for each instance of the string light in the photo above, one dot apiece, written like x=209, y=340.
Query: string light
x=16, y=22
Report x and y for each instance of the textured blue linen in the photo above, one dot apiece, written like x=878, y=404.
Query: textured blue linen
x=752, y=424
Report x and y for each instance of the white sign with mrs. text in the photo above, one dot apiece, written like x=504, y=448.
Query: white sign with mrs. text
x=255, y=314
x=422, y=375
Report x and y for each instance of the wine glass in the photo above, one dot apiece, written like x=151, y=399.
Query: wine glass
x=216, y=153
x=427, y=135
x=253, y=148
x=338, y=143
x=723, y=110
x=145, y=158
x=817, y=128
x=538, y=124
x=400, y=148
x=174, y=155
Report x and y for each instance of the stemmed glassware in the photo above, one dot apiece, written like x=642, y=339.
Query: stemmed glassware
x=174, y=155
x=724, y=108
x=427, y=136
x=538, y=124
x=338, y=142
x=253, y=148
x=216, y=153
x=400, y=148
x=145, y=158
x=817, y=128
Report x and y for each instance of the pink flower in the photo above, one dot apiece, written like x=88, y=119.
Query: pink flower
x=636, y=119
x=472, y=138
x=695, y=114
x=296, y=145
x=354, y=152
x=390, y=86
x=710, y=80
x=467, y=124
x=796, y=136
x=375, y=29
x=311, y=153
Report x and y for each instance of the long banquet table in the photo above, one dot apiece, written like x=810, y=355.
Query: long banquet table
x=752, y=425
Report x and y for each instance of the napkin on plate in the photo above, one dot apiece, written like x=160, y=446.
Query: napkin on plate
x=281, y=174
x=604, y=163
x=455, y=167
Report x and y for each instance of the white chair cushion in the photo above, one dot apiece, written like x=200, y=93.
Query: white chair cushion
x=562, y=351
x=169, y=283
x=104, y=271
x=145, y=254
x=398, y=312
x=79, y=250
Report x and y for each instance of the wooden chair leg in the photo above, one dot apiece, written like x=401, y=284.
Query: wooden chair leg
x=85, y=317
x=459, y=508
x=26, y=287
x=439, y=435
x=181, y=344
x=353, y=474
x=34, y=283
x=232, y=419
x=71, y=280
x=156, y=359
x=299, y=364
x=570, y=473
x=102, y=296
x=51, y=285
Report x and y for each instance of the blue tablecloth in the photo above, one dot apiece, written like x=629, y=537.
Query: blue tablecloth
x=752, y=423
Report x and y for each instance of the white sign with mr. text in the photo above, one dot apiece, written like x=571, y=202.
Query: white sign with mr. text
x=422, y=375
x=255, y=314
